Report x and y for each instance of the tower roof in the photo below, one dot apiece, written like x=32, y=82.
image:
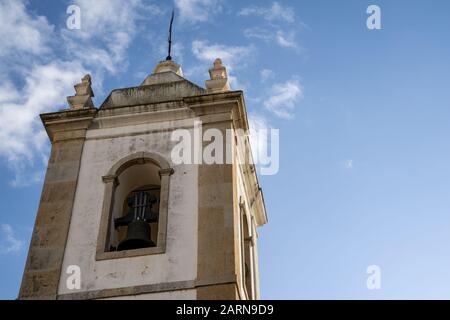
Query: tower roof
x=166, y=83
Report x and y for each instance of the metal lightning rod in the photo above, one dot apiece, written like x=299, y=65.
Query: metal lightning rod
x=170, y=36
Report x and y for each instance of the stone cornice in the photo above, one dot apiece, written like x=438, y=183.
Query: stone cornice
x=221, y=102
x=149, y=288
x=133, y=116
x=68, y=124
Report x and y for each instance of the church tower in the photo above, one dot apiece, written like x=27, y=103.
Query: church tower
x=131, y=209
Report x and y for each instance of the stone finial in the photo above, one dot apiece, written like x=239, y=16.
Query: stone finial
x=219, y=78
x=168, y=66
x=83, y=95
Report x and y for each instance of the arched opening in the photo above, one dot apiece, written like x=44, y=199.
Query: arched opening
x=247, y=260
x=135, y=212
x=247, y=257
x=135, y=207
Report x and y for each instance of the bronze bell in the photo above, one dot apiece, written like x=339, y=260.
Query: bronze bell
x=138, y=236
x=137, y=220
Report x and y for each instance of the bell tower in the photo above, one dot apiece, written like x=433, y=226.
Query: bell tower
x=132, y=208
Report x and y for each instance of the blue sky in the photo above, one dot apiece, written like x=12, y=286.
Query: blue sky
x=363, y=117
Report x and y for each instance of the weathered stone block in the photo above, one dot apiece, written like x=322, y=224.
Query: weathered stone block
x=66, y=151
x=216, y=244
x=218, y=292
x=63, y=171
x=58, y=191
x=50, y=236
x=45, y=258
x=53, y=213
x=40, y=284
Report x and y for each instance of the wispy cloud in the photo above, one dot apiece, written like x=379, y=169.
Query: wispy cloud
x=193, y=11
x=348, y=164
x=54, y=62
x=232, y=57
x=9, y=243
x=280, y=27
x=259, y=142
x=286, y=40
x=177, y=51
x=258, y=33
x=283, y=39
x=276, y=12
x=107, y=30
x=283, y=97
x=21, y=33
x=280, y=37
x=266, y=74
x=23, y=140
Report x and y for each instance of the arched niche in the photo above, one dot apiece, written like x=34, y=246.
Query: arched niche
x=137, y=172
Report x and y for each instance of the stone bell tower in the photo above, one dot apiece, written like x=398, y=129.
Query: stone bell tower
x=121, y=218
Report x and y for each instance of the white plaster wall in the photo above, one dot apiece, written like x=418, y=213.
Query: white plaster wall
x=179, y=263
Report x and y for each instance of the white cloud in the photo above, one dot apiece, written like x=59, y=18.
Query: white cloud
x=283, y=39
x=274, y=13
x=348, y=164
x=111, y=16
x=107, y=30
x=284, y=97
x=23, y=140
x=196, y=71
x=40, y=82
x=231, y=56
x=9, y=243
x=235, y=84
x=8, y=92
x=273, y=32
x=258, y=33
x=193, y=11
x=286, y=40
x=266, y=74
x=177, y=52
x=258, y=141
x=20, y=33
